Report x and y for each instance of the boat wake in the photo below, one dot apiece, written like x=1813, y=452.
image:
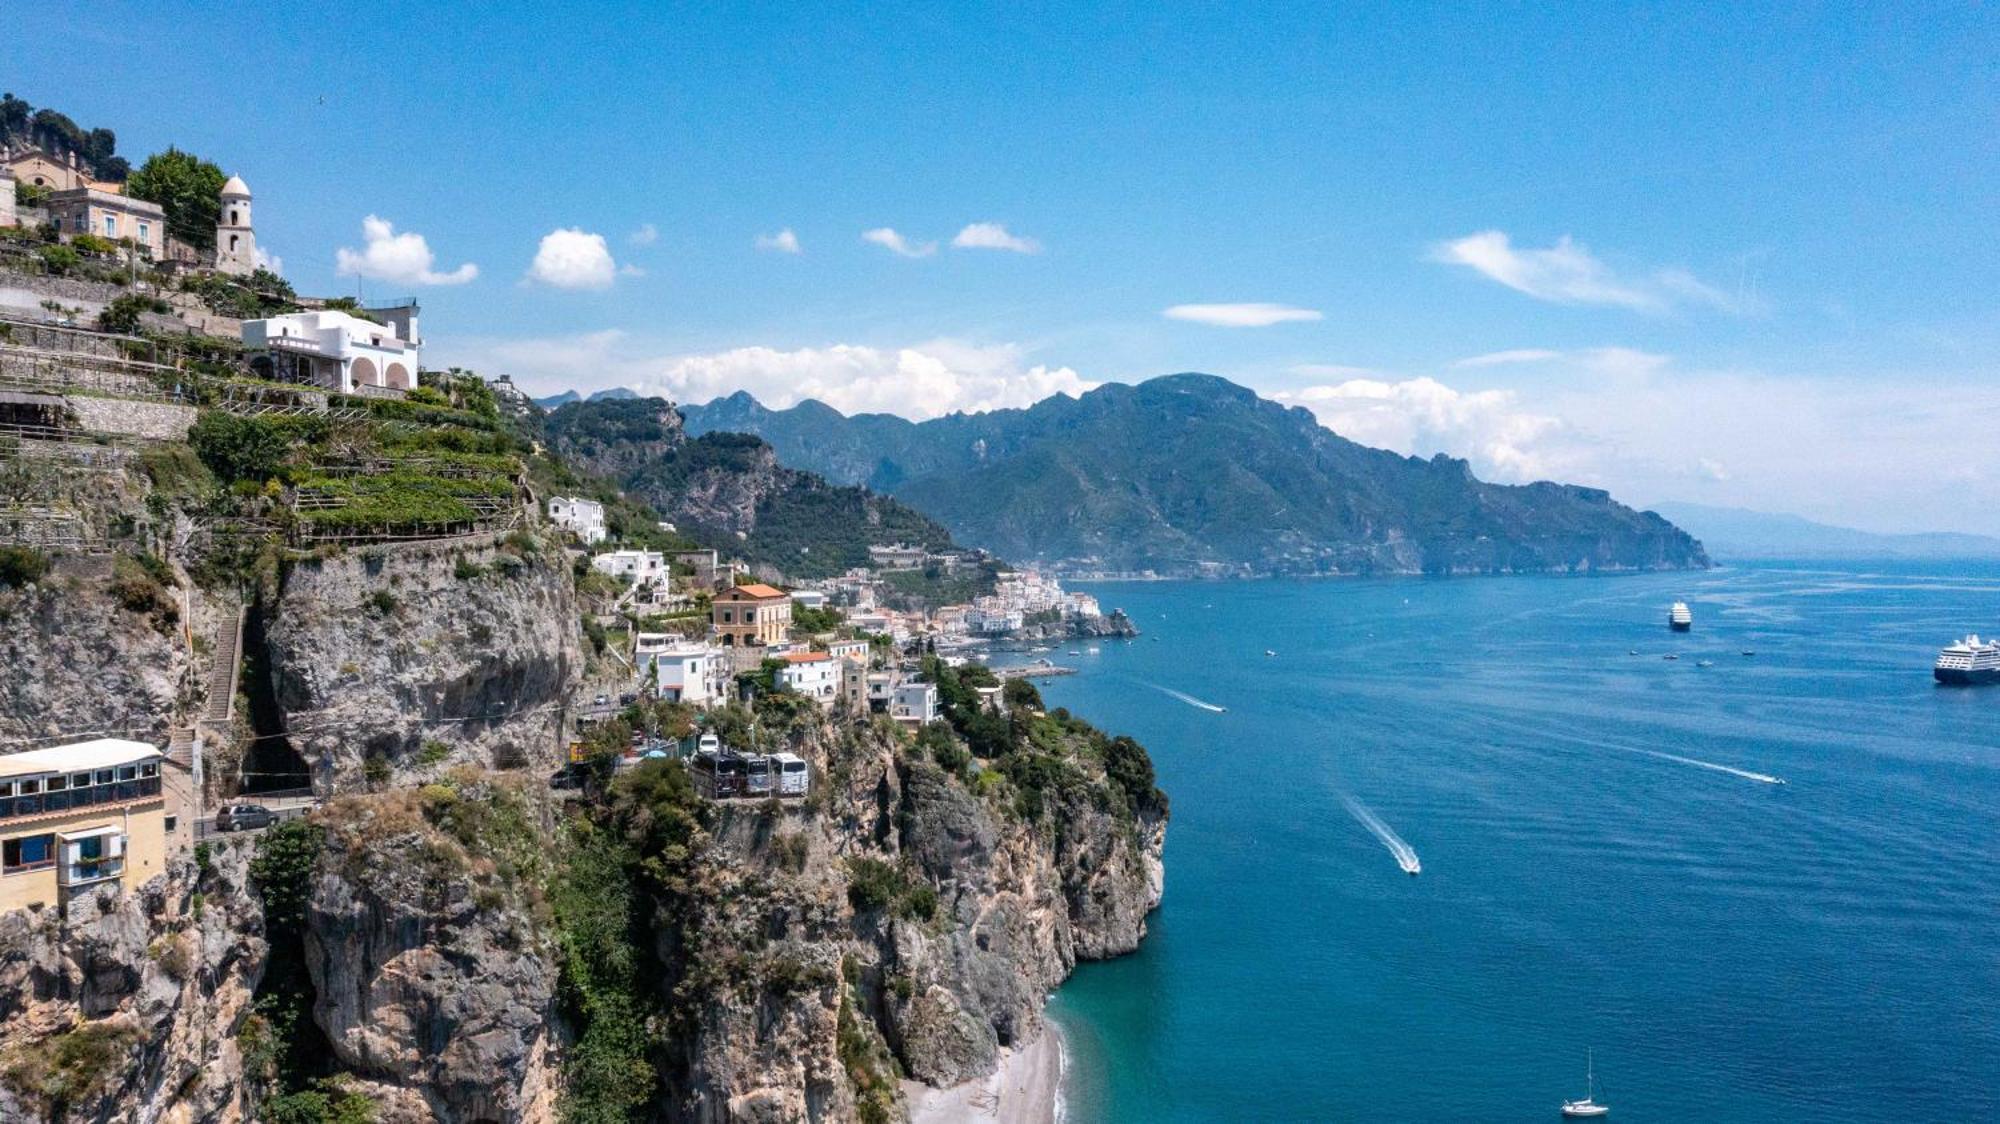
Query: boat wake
x=1189, y=699
x=1760, y=778
x=1406, y=855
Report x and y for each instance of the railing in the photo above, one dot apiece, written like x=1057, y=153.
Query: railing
x=366, y=390
x=88, y=796
x=90, y=870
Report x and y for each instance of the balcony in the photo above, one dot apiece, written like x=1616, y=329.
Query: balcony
x=81, y=796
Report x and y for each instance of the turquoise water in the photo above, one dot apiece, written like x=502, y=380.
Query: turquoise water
x=1825, y=950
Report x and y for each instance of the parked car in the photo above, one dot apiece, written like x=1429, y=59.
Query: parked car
x=628, y=698
x=244, y=817
x=569, y=776
x=603, y=700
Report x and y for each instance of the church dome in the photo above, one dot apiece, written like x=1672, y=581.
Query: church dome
x=236, y=186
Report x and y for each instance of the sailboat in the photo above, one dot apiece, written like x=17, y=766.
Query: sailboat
x=1588, y=1106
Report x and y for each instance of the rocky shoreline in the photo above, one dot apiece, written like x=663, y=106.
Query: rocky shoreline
x=1026, y=1088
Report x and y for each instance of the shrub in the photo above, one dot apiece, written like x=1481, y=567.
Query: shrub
x=22, y=565
x=122, y=315
x=465, y=569
x=237, y=448
x=59, y=260
x=92, y=244
x=139, y=590
x=382, y=601
x=376, y=769
x=434, y=751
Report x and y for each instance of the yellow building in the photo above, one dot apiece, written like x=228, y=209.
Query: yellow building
x=78, y=816
x=751, y=615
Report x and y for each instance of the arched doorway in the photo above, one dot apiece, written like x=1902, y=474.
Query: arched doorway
x=397, y=376
x=365, y=373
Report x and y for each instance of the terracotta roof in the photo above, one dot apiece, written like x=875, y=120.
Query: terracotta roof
x=754, y=589
x=806, y=657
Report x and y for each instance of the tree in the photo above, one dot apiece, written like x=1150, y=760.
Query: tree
x=188, y=188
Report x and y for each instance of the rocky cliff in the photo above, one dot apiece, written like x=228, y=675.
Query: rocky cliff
x=402, y=661
x=128, y=1007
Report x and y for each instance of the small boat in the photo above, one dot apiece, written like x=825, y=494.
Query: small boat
x=1632, y=651
x=1588, y=1106
x=1748, y=652
x=1670, y=656
x=1704, y=663
x=1269, y=652
x=1680, y=618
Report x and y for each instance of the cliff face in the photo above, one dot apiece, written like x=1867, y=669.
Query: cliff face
x=899, y=924
x=430, y=958
x=126, y=1007
x=422, y=657
x=85, y=662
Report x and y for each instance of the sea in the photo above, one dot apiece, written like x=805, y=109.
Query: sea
x=1611, y=873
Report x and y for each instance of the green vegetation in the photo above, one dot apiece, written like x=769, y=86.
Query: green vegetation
x=256, y=449
x=22, y=565
x=54, y=133
x=816, y=620
x=67, y=1068
x=262, y=294
x=282, y=1048
x=122, y=314
x=140, y=584
x=874, y=886
x=871, y=1068
x=329, y=1101
x=188, y=188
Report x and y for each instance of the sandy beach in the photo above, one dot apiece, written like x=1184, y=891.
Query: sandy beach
x=1025, y=1089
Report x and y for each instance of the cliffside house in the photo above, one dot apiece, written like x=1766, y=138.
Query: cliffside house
x=808, y=598
x=709, y=571
x=680, y=669
x=582, y=518
x=915, y=703
x=815, y=675
x=635, y=566
x=854, y=651
x=109, y=214
x=332, y=349
x=752, y=614
x=79, y=816
x=37, y=168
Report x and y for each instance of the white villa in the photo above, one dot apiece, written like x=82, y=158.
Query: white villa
x=915, y=703
x=581, y=517
x=809, y=598
x=815, y=675
x=688, y=671
x=332, y=349
x=635, y=566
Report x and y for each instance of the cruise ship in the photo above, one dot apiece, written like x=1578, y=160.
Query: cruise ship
x=1680, y=618
x=1971, y=660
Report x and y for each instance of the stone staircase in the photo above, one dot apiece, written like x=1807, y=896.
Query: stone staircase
x=226, y=657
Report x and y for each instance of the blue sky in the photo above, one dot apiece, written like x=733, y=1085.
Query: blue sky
x=1739, y=255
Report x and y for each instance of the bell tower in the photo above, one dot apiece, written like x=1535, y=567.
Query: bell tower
x=235, y=241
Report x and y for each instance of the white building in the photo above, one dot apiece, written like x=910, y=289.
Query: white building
x=915, y=703
x=687, y=670
x=635, y=566
x=332, y=349
x=815, y=675
x=582, y=518
x=235, y=241
x=809, y=598
x=854, y=651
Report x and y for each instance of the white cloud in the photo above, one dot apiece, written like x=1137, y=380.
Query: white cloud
x=573, y=259
x=993, y=236
x=783, y=242
x=1332, y=371
x=1423, y=417
x=918, y=381
x=1567, y=273
x=401, y=259
x=1251, y=315
x=646, y=235
x=265, y=259
x=887, y=238
x=1504, y=358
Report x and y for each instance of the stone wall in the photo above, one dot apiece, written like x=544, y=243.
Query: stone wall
x=158, y=421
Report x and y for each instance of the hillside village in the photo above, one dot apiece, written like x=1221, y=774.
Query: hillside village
x=271, y=579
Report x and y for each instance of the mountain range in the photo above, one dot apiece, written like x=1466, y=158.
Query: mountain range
x=729, y=490
x=1732, y=532
x=1190, y=474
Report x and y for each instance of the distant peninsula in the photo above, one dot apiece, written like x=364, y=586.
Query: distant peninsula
x=1191, y=474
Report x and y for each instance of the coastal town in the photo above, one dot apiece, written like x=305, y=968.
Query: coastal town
x=272, y=581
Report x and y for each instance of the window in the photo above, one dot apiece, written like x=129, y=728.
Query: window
x=111, y=226
x=145, y=231
x=6, y=788
x=173, y=822
x=150, y=769
x=105, y=776
x=30, y=787
x=58, y=784
x=91, y=849
x=27, y=852
x=128, y=772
